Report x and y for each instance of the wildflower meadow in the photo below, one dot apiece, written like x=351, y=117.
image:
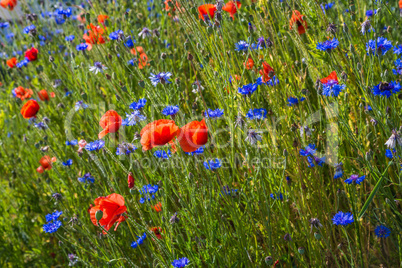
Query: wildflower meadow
x=188, y=133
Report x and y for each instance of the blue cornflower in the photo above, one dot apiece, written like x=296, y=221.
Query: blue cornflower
x=328, y=45
x=257, y=113
x=132, y=62
x=41, y=125
x=117, y=35
x=382, y=46
x=53, y=216
x=82, y=46
x=22, y=63
x=52, y=227
x=332, y=89
x=149, y=192
x=398, y=49
x=386, y=89
x=125, y=149
x=212, y=164
x=87, y=178
x=9, y=36
x=69, y=38
x=273, y=82
x=139, y=241
x=129, y=42
x=382, y=231
x=138, y=105
x=198, y=151
x=389, y=154
x=355, y=179
x=227, y=191
x=68, y=163
x=29, y=28
x=277, y=196
x=42, y=38
x=170, y=110
x=180, y=263
x=398, y=66
x=71, y=143
x=59, y=19
x=133, y=118
x=80, y=105
x=310, y=161
x=162, y=78
x=4, y=24
x=295, y=101
x=370, y=13
x=242, y=46
x=338, y=171
x=95, y=145
x=341, y=218
x=248, y=89
x=309, y=150
x=163, y=154
x=213, y=113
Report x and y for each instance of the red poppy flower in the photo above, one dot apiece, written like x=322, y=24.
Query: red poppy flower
x=46, y=163
x=169, y=3
x=158, y=207
x=249, y=64
x=112, y=207
x=143, y=58
x=94, y=36
x=31, y=54
x=157, y=231
x=22, y=93
x=400, y=4
x=158, y=133
x=331, y=77
x=231, y=8
x=102, y=18
x=43, y=96
x=297, y=19
x=206, y=11
x=12, y=62
x=267, y=73
x=9, y=4
x=130, y=180
x=30, y=109
x=110, y=123
x=193, y=135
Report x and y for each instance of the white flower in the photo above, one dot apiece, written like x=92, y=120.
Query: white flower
x=98, y=67
x=145, y=33
x=393, y=140
x=307, y=130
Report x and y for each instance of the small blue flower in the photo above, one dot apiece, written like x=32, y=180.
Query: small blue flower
x=139, y=241
x=29, y=28
x=355, y=179
x=248, y=89
x=148, y=192
x=212, y=164
x=53, y=216
x=80, y=105
x=328, y=45
x=4, y=24
x=133, y=118
x=129, y=42
x=309, y=150
x=163, y=154
x=69, y=38
x=87, y=178
x=180, y=263
x=382, y=46
x=82, y=46
x=117, y=35
x=370, y=13
x=22, y=63
x=386, y=89
x=132, y=62
x=338, y=171
x=242, y=46
x=125, y=149
x=71, y=143
x=138, y=105
x=52, y=227
x=277, y=196
x=95, y=145
x=68, y=163
x=398, y=49
x=273, y=82
x=382, y=231
x=398, y=66
x=341, y=218
x=227, y=191
x=257, y=113
x=332, y=90
x=295, y=101
x=198, y=151
x=162, y=78
x=213, y=113
x=170, y=110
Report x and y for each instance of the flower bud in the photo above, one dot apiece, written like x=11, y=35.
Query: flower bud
x=269, y=260
x=99, y=215
x=317, y=235
x=130, y=180
x=301, y=250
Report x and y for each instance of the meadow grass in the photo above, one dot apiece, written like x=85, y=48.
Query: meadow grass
x=269, y=203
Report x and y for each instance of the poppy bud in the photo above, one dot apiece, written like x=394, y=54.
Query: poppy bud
x=285, y=152
x=99, y=215
x=189, y=56
x=108, y=76
x=141, y=83
x=301, y=250
x=269, y=260
x=317, y=235
x=177, y=81
x=51, y=59
x=130, y=180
